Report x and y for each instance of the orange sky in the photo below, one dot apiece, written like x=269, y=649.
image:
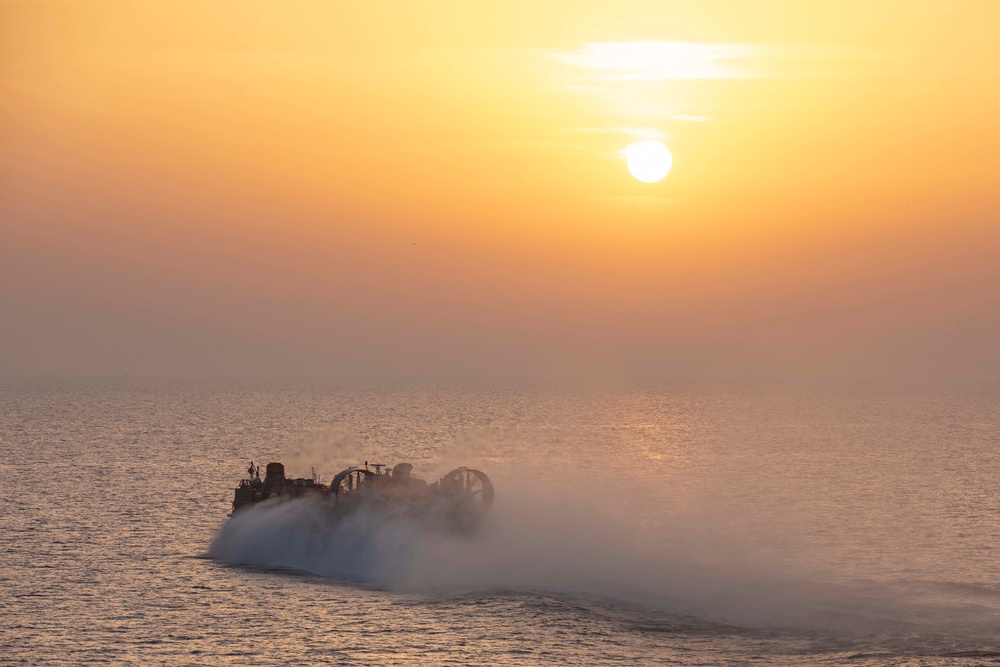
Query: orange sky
x=437, y=188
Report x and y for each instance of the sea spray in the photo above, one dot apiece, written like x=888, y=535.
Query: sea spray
x=554, y=546
x=563, y=531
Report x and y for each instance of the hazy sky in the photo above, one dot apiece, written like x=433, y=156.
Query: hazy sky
x=438, y=188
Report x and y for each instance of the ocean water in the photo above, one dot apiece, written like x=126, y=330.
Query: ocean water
x=631, y=526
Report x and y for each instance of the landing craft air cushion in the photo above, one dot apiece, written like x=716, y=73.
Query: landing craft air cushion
x=453, y=502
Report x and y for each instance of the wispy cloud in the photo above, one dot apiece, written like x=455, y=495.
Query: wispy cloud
x=663, y=60
x=689, y=118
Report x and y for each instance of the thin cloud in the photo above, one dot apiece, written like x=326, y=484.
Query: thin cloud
x=672, y=60
x=688, y=118
x=663, y=60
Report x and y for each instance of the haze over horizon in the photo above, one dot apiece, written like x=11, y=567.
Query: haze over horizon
x=333, y=189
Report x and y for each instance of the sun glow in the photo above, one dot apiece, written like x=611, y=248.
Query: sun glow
x=649, y=161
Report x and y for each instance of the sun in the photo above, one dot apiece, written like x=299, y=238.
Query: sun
x=649, y=160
